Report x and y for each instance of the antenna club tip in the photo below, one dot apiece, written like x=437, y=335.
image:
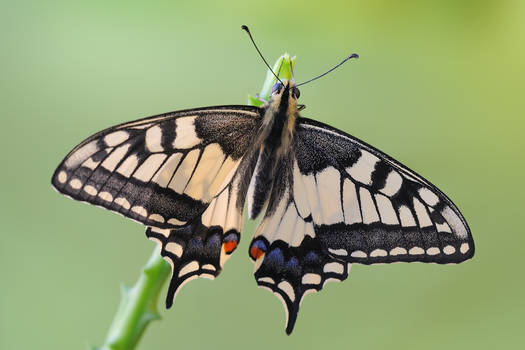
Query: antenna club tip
x=245, y=27
x=354, y=55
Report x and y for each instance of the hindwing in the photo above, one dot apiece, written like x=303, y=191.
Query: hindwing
x=201, y=248
x=162, y=171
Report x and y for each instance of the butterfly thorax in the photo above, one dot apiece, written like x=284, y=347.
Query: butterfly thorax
x=273, y=142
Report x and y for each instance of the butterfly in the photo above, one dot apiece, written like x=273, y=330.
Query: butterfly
x=327, y=199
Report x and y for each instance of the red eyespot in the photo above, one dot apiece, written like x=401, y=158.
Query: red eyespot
x=230, y=246
x=256, y=253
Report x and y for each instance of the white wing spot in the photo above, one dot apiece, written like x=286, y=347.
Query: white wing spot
x=330, y=280
x=116, y=138
x=334, y=267
x=455, y=222
x=421, y=213
x=433, y=251
x=123, y=202
x=106, y=196
x=398, y=251
x=416, y=251
x=449, y=250
x=209, y=165
x=218, y=217
x=286, y=228
x=378, y=252
x=339, y=252
x=364, y=167
x=224, y=176
x=62, y=177
x=328, y=188
x=392, y=184
x=299, y=232
x=286, y=287
x=162, y=231
x=386, y=210
x=156, y=217
x=148, y=168
x=351, y=203
x=176, y=222
x=186, y=136
x=128, y=166
x=153, y=139
x=183, y=174
x=140, y=210
x=174, y=248
x=90, y=190
x=266, y=280
x=464, y=248
x=406, y=217
x=163, y=176
x=81, y=154
x=368, y=207
x=428, y=196
x=310, y=230
x=207, y=275
x=358, y=254
x=111, y=162
x=89, y=163
x=188, y=268
x=313, y=197
x=75, y=184
x=311, y=278
x=443, y=227
x=208, y=267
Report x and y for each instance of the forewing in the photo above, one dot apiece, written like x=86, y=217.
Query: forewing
x=368, y=208
x=162, y=171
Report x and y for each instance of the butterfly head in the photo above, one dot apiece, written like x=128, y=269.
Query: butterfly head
x=287, y=87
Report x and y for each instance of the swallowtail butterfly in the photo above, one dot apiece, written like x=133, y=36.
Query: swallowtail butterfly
x=329, y=200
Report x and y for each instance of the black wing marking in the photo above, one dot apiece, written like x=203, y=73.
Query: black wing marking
x=201, y=248
x=292, y=272
x=289, y=260
x=368, y=208
x=163, y=170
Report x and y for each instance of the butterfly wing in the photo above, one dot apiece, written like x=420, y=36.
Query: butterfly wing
x=339, y=201
x=164, y=170
x=368, y=208
x=289, y=260
x=201, y=248
x=178, y=173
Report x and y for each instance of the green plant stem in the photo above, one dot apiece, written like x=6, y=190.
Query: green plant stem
x=138, y=305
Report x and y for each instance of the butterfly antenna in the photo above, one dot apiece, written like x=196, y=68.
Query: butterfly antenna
x=245, y=28
x=354, y=55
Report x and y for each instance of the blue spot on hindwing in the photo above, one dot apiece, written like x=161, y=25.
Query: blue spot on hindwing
x=275, y=257
x=293, y=264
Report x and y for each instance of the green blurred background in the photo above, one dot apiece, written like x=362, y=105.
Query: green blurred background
x=439, y=86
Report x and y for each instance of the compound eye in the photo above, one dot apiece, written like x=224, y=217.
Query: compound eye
x=296, y=93
x=277, y=87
